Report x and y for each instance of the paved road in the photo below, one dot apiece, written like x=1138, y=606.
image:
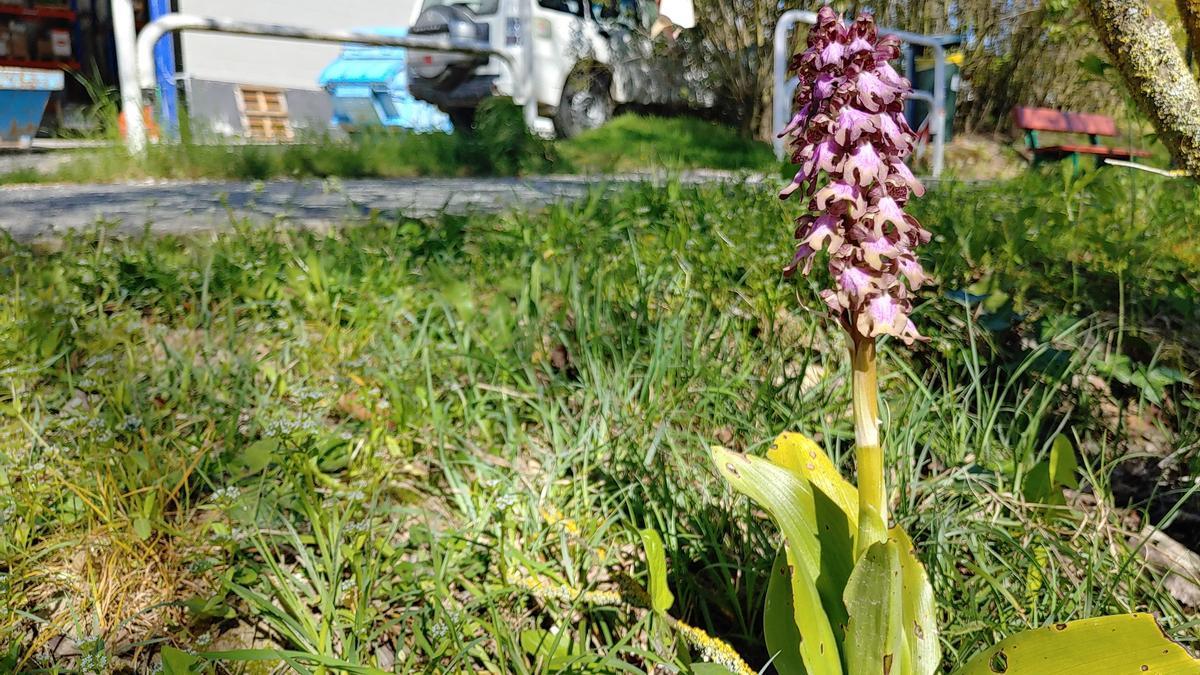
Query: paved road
x=47, y=211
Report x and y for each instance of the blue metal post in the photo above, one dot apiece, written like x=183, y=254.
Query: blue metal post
x=164, y=67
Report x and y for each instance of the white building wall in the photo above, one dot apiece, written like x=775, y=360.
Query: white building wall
x=278, y=63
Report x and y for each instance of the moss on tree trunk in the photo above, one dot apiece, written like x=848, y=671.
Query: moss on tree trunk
x=1141, y=47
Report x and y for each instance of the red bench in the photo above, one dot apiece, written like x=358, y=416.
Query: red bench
x=1033, y=120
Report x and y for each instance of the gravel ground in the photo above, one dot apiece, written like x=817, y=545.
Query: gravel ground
x=34, y=212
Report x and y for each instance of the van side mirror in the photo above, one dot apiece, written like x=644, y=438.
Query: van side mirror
x=681, y=13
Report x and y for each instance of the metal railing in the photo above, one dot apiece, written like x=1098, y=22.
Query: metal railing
x=784, y=87
x=138, y=78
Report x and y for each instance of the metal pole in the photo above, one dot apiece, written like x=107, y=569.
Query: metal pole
x=529, y=68
x=782, y=93
x=938, y=125
x=164, y=63
x=909, y=57
x=125, y=35
x=145, y=76
x=783, y=88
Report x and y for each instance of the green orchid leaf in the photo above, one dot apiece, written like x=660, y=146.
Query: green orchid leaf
x=919, y=610
x=1045, y=481
x=1039, y=489
x=258, y=455
x=779, y=622
x=1063, y=464
x=177, y=662
x=1127, y=643
x=835, y=504
x=661, y=598
x=142, y=528
x=787, y=497
x=789, y=500
x=1162, y=376
x=553, y=651
x=805, y=458
x=875, y=641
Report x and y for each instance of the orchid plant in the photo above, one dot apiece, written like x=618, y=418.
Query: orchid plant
x=847, y=592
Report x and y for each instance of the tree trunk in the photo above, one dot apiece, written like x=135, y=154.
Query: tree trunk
x=1189, y=14
x=1141, y=47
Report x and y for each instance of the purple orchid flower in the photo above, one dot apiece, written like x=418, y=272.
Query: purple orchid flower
x=864, y=165
x=850, y=139
x=825, y=85
x=824, y=232
x=852, y=123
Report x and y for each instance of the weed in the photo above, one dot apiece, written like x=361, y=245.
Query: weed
x=353, y=450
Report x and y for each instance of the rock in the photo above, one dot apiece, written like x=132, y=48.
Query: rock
x=1182, y=566
x=244, y=635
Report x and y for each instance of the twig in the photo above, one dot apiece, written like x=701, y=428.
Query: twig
x=1169, y=173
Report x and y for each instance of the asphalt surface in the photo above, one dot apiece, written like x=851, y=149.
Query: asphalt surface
x=34, y=212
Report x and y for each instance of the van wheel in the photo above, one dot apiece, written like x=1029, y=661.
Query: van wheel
x=586, y=102
x=463, y=120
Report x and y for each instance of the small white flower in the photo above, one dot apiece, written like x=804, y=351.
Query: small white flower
x=357, y=526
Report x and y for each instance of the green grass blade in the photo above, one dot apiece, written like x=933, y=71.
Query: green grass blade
x=661, y=598
x=710, y=669
x=250, y=655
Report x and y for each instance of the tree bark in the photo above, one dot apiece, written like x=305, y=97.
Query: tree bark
x=1141, y=47
x=1189, y=14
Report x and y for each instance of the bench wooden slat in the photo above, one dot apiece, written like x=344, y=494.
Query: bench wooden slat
x=1045, y=119
x=1095, y=150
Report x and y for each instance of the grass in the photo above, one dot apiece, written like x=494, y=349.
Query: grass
x=633, y=143
x=500, y=146
x=413, y=445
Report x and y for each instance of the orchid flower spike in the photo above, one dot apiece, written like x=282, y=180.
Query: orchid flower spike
x=850, y=138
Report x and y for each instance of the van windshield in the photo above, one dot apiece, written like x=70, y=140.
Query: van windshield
x=477, y=7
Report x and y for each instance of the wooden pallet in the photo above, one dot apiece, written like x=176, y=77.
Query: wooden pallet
x=265, y=114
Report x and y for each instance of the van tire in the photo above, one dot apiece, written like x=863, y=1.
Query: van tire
x=586, y=102
x=463, y=120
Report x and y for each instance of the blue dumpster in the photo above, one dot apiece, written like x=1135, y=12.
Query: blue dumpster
x=23, y=96
x=369, y=87
x=919, y=68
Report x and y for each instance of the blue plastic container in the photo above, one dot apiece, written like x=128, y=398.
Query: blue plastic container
x=24, y=93
x=369, y=87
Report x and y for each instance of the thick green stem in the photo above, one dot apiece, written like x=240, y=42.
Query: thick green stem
x=868, y=453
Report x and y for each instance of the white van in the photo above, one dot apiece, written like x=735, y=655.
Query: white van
x=589, y=57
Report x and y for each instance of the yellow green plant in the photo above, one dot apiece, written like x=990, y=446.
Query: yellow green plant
x=848, y=594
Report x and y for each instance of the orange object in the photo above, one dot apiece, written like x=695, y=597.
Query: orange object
x=148, y=116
